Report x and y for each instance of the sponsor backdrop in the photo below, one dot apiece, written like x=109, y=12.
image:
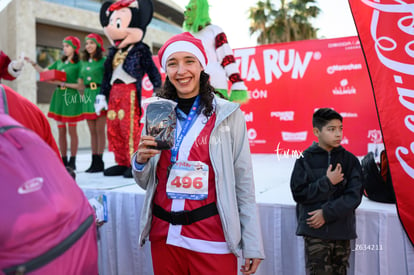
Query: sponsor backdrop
x=288, y=81
x=386, y=30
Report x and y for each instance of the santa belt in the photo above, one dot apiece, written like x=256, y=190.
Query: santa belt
x=185, y=217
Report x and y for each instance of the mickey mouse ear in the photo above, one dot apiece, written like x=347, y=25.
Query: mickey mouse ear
x=145, y=10
x=104, y=14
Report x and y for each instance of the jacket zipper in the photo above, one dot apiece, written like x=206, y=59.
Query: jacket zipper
x=53, y=253
x=10, y=137
x=8, y=127
x=329, y=158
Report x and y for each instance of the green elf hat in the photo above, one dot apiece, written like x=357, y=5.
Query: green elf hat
x=97, y=39
x=73, y=41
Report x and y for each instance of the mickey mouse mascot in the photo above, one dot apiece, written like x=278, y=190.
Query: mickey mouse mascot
x=129, y=59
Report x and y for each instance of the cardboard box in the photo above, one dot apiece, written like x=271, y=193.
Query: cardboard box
x=52, y=75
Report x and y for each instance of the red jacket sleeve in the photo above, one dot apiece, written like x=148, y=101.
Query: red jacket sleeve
x=4, y=64
x=30, y=116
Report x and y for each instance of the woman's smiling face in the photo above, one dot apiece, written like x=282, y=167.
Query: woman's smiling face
x=90, y=46
x=183, y=70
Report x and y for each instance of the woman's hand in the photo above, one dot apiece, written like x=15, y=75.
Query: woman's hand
x=250, y=266
x=145, y=151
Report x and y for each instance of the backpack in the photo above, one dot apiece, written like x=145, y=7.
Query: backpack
x=376, y=180
x=47, y=225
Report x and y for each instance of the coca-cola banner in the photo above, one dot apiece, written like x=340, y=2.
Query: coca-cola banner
x=386, y=31
x=288, y=81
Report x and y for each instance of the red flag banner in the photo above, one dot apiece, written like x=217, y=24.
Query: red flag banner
x=386, y=32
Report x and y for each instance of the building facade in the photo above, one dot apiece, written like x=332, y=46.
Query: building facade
x=36, y=29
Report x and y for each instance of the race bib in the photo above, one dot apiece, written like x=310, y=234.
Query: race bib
x=188, y=180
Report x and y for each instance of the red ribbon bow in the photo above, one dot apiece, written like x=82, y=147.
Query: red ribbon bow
x=120, y=4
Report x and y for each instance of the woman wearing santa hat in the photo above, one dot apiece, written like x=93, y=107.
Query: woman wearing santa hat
x=200, y=212
x=90, y=78
x=66, y=106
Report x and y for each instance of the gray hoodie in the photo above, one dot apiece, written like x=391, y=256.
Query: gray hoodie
x=236, y=203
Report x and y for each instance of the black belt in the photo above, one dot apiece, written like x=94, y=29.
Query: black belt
x=185, y=217
x=119, y=81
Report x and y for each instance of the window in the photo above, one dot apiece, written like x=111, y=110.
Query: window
x=46, y=55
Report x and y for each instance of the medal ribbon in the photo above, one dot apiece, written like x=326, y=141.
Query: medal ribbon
x=187, y=125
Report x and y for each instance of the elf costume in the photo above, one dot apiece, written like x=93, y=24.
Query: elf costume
x=91, y=73
x=66, y=105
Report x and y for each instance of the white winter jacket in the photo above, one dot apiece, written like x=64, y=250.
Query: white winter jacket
x=231, y=161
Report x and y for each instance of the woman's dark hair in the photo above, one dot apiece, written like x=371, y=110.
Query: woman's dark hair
x=97, y=56
x=207, y=92
x=75, y=58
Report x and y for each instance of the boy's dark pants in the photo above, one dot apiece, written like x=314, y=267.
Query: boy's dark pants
x=325, y=257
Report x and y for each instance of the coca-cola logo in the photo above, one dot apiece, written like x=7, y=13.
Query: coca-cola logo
x=388, y=46
x=394, y=47
x=146, y=83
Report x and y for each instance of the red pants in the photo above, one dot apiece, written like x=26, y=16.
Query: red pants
x=174, y=260
x=123, y=122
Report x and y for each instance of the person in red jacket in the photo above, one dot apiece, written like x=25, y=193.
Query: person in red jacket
x=28, y=114
x=19, y=107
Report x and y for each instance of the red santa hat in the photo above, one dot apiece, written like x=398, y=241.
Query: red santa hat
x=73, y=41
x=97, y=39
x=183, y=42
